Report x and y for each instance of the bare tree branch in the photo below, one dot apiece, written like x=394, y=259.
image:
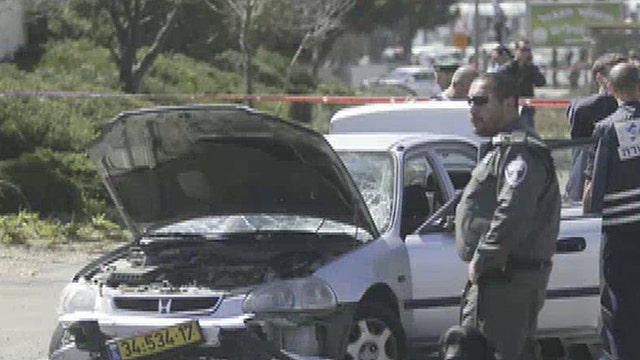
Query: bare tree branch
x=243, y=13
x=117, y=24
x=135, y=24
x=239, y=6
x=114, y=54
x=127, y=18
x=314, y=19
x=213, y=6
x=155, y=48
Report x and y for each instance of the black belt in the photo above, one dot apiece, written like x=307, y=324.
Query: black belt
x=528, y=264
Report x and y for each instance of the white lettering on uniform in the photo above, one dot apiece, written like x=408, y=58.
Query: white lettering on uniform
x=628, y=133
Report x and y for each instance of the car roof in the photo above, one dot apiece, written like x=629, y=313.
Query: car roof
x=393, y=107
x=388, y=141
x=414, y=69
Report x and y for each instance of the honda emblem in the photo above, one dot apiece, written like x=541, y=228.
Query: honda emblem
x=164, y=306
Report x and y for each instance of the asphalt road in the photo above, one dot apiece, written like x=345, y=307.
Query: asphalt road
x=30, y=283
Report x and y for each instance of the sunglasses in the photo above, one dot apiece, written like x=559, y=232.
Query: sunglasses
x=525, y=49
x=477, y=100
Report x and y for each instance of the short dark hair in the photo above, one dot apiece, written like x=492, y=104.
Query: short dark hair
x=501, y=85
x=604, y=63
x=624, y=77
x=501, y=49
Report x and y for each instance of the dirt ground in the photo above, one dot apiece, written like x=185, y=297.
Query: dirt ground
x=31, y=279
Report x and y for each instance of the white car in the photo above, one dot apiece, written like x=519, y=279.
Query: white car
x=258, y=238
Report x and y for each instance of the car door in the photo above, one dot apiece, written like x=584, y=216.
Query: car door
x=438, y=275
x=572, y=302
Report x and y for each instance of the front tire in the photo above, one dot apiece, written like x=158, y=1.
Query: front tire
x=59, y=338
x=375, y=334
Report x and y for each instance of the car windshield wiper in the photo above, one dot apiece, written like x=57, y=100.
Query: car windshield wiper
x=175, y=234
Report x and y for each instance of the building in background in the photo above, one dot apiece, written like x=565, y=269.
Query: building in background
x=13, y=33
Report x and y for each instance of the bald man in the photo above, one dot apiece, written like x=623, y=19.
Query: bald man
x=460, y=83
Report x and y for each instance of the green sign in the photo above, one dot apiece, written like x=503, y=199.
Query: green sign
x=566, y=23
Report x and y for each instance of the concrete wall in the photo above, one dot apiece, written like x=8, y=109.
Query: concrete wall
x=12, y=27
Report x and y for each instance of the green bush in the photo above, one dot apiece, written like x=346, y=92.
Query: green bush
x=17, y=229
x=28, y=228
x=59, y=124
x=54, y=183
x=178, y=74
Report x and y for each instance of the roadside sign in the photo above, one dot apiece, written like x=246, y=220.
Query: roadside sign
x=554, y=24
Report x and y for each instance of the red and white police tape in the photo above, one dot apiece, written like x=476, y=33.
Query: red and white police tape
x=321, y=99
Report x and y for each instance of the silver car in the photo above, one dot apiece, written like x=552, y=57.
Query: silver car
x=419, y=80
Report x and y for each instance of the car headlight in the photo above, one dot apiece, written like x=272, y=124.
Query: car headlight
x=290, y=296
x=76, y=297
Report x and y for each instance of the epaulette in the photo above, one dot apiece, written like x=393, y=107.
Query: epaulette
x=517, y=138
x=514, y=138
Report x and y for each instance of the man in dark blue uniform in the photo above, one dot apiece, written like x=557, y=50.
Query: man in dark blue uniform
x=612, y=186
x=583, y=113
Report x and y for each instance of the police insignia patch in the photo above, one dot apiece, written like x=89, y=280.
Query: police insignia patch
x=515, y=172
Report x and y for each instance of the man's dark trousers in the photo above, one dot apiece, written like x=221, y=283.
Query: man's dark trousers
x=620, y=297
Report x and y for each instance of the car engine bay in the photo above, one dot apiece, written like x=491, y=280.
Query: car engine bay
x=245, y=261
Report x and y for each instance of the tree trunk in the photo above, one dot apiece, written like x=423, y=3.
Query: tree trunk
x=126, y=77
x=245, y=48
x=407, y=31
x=131, y=72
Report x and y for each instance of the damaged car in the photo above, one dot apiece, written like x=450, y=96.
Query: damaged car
x=257, y=238
x=236, y=216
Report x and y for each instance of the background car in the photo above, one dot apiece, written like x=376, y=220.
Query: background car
x=420, y=80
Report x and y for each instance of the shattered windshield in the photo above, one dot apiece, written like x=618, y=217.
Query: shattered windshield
x=258, y=223
x=373, y=174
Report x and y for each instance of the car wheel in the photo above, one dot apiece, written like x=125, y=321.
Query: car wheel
x=375, y=334
x=59, y=338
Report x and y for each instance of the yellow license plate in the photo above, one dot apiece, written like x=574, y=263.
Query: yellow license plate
x=155, y=341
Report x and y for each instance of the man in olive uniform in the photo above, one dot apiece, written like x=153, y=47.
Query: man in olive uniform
x=507, y=223
x=612, y=187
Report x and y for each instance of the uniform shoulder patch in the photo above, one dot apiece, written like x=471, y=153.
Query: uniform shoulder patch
x=515, y=171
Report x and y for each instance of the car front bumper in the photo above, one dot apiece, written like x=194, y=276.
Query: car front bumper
x=239, y=337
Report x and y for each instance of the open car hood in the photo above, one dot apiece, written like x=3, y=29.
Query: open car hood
x=168, y=164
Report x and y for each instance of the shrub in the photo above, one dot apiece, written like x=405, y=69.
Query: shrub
x=178, y=74
x=18, y=229
x=27, y=228
x=54, y=183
